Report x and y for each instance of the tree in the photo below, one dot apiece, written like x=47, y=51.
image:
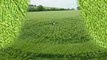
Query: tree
x=72, y=9
x=34, y=5
x=78, y=8
x=40, y=8
x=53, y=9
x=61, y=9
x=30, y=5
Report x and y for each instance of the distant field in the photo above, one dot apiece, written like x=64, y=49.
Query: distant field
x=54, y=35
x=59, y=27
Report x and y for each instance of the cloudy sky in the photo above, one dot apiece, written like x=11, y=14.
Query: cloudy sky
x=56, y=3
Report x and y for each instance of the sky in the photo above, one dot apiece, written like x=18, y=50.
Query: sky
x=56, y=3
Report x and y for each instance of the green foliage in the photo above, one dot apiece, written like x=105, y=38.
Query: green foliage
x=48, y=35
x=12, y=14
x=33, y=8
x=44, y=37
x=16, y=54
x=54, y=27
x=78, y=8
x=94, y=13
x=40, y=8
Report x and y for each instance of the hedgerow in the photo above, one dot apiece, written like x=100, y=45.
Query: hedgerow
x=12, y=14
x=94, y=13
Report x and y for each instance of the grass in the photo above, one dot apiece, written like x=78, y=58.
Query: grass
x=54, y=35
x=54, y=28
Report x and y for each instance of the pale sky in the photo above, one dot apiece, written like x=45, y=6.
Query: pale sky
x=56, y=3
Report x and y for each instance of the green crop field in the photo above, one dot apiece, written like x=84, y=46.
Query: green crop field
x=54, y=35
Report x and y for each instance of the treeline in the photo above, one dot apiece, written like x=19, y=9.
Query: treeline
x=43, y=8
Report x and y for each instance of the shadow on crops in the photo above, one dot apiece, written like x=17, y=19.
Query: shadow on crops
x=65, y=30
x=15, y=53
